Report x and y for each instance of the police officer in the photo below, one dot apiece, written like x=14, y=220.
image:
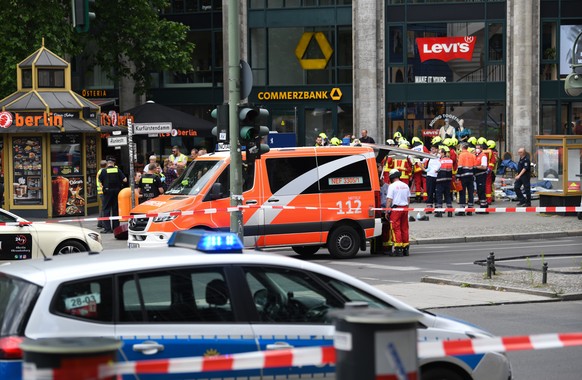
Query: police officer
x=523, y=178
x=150, y=185
x=112, y=179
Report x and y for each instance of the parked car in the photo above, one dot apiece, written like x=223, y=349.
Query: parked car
x=204, y=296
x=21, y=239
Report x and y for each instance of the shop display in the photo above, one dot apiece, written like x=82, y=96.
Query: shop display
x=27, y=174
x=68, y=196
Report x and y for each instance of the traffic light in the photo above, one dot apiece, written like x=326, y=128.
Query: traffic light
x=252, y=128
x=220, y=113
x=81, y=14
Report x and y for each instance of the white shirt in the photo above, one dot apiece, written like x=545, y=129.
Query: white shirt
x=399, y=192
x=434, y=165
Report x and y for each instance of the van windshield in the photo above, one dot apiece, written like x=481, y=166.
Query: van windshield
x=194, y=178
x=17, y=298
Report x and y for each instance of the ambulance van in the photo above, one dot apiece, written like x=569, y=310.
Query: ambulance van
x=304, y=197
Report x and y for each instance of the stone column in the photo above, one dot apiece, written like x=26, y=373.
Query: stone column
x=523, y=76
x=368, y=68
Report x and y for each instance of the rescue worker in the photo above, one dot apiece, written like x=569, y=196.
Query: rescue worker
x=318, y=141
x=112, y=179
x=390, y=142
x=480, y=171
x=418, y=175
x=492, y=157
x=324, y=139
x=404, y=166
x=450, y=144
x=443, y=182
x=150, y=185
x=396, y=200
x=465, y=174
x=472, y=141
x=335, y=141
x=382, y=245
x=179, y=159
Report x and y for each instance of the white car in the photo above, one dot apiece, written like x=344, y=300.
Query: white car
x=21, y=239
x=203, y=296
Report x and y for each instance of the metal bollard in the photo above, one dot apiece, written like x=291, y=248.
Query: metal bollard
x=492, y=255
x=545, y=273
x=67, y=358
x=375, y=344
x=489, y=267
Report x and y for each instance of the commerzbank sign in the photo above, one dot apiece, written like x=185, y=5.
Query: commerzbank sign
x=333, y=94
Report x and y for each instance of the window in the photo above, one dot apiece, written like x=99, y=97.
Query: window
x=352, y=294
x=51, y=78
x=352, y=177
x=288, y=296
x=285, y=173
x=87, y=299
x=175, y=296
x=27, y=78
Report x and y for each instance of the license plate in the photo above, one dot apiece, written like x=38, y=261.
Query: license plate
x=132, y=245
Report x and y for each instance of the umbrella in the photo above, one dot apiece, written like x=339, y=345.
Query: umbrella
x=151, y=112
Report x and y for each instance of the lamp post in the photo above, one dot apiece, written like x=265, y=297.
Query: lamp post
x=573, y=82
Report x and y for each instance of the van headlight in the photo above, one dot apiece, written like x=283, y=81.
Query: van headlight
x=164, y=218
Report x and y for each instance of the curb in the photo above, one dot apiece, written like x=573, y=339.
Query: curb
x=560, y=297
x=501, y=237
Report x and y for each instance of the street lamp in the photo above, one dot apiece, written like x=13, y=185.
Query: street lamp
x=573, y=82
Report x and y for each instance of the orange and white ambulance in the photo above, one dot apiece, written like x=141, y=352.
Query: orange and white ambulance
x=304, y=197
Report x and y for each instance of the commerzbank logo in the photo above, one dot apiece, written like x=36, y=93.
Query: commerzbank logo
x=324, y=46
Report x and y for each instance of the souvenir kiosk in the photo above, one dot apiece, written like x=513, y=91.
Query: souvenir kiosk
x=559, y=162
x=50, y=142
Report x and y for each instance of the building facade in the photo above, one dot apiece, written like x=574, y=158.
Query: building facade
x=340, y=66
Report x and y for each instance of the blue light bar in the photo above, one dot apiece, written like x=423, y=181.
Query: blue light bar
x=207, y=241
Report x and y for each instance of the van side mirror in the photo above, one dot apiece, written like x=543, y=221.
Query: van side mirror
x=215, y=192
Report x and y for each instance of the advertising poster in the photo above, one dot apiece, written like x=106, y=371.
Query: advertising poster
x=27, y=160
x=92, y=168
x=68, y=196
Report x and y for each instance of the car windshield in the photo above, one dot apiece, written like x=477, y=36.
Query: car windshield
x=194, y=178
x=17, y=298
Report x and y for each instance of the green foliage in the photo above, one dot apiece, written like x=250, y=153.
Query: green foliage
x=128, y=38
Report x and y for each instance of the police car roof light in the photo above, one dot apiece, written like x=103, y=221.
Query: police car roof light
x=207, y=241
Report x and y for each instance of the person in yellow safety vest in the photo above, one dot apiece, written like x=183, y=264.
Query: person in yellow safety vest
x=102, y=165
x=492, y=156
x=480, y=170
x=404, y=166
x=418, y=174
x=450, y=144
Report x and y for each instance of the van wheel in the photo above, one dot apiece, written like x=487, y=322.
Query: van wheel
x=305, y=250
x=440, y=373
x=343, y=242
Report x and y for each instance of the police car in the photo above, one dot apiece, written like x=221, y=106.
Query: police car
x=21, y=239
x=203, y=296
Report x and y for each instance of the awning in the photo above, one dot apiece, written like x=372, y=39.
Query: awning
x=103, y=101
x=69, y=125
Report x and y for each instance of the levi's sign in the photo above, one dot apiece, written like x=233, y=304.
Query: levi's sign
x=446, y=48
x=146, y=128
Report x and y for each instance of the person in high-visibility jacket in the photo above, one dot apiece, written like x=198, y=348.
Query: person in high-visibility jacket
x=492, y=156
x=103, y=165
x=418, y=174
x=443, y=182
x=404, y=166
x=465, y=174
x=480, y=171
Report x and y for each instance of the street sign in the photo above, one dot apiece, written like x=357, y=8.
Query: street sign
x=146, y=128
x=117, y=141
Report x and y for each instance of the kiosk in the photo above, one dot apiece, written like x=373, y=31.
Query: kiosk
x=559, y=161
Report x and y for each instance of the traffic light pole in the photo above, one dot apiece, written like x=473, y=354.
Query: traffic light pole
x=236, y=220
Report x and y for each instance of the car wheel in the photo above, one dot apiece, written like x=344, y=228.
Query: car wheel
x=343, y=242
x=440, y=373
x=305, y=250
x=69, y=246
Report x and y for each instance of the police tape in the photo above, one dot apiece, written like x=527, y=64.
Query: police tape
x=313, y=356
x=124, y=218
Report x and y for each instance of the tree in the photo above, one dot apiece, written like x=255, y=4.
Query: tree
x=127, y=39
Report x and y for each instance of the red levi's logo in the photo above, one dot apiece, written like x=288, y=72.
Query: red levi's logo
x=446, y=48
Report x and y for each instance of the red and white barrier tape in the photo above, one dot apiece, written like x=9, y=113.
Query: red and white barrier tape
x=316, y=356
x=569, y=209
